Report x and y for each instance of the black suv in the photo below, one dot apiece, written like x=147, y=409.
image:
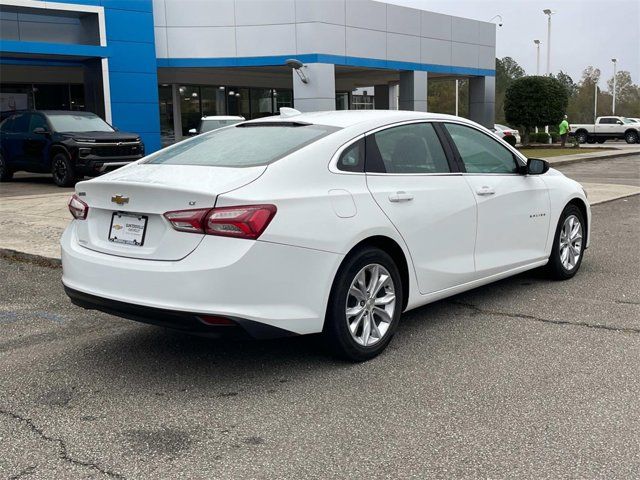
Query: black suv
x=67, y=144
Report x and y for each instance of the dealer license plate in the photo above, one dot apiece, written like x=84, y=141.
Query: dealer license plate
x=128, y=228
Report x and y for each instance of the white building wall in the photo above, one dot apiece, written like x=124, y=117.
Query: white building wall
x=355, y=28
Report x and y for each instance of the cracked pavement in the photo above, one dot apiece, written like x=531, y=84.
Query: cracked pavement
x=524, y=378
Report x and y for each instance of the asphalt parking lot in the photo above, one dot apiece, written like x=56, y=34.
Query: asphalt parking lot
x=525, y=378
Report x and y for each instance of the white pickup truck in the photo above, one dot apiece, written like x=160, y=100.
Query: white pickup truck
x=607, y=128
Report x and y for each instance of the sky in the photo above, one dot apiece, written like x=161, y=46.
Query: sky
x=583, y=32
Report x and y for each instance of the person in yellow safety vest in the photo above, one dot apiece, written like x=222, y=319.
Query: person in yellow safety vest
x=563, y=129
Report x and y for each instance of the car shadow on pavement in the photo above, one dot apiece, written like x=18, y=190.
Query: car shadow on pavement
x=160, y=359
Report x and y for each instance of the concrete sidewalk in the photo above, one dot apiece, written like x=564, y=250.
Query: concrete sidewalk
x=585, y=157
x=33, y=224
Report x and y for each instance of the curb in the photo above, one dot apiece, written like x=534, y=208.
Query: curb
x=601, y=202
x=560, y=161
x=31, y=258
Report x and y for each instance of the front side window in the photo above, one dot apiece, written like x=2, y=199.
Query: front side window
x=412, y=148
x=37, y=121
x=247, y=145
x=65, y=122
x=479, y=152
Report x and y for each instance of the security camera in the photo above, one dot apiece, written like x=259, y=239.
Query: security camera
x=294, y=63
x=500, y=24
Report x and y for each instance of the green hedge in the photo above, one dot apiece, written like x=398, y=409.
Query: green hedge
x=540, y=137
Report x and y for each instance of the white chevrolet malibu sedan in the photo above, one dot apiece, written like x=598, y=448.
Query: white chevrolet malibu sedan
x=332, y=222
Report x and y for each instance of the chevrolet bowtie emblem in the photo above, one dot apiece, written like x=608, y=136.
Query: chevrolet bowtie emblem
x=119, y=199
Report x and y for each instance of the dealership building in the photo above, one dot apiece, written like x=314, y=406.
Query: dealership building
x=155, y=67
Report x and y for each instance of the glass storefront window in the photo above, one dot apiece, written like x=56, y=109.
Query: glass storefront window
x=261, y=102
x=238, y=102
x=213, y=100
x=165, y=97
x=282, y=98
x=342, y=101
x=189, y=107
x=76, y=94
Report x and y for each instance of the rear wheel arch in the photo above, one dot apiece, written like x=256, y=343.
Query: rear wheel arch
x=394, y=250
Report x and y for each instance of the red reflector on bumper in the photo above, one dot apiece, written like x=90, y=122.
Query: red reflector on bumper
x=213, y=320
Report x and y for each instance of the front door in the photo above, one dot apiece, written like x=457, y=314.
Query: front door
x=432, y=207
x=513, y=209
x=35, y=144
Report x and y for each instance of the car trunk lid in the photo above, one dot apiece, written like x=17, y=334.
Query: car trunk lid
x=137, y=196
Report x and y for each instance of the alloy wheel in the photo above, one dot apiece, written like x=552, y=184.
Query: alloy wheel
x=59, y=170
x=570, y=242
x=370, y=305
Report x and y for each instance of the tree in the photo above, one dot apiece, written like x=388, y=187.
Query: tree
x=507, y=70
x=442, y=96
x=627, y=94
x=532, y=101
x=568, y=83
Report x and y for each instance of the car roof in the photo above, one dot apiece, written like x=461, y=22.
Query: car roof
x=222, y=117
x=348, y=118
x=64, y=112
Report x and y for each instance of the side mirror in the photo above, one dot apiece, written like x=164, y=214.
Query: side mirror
x=619, y=122
x=535, y=166
x=192, y=131
x=40, y=131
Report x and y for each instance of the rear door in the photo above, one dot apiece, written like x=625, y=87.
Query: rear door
x=13, y=139
x=513, y=209
x=429, y=203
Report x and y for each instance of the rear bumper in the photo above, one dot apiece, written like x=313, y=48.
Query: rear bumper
x=275, y=285
x=183, y=321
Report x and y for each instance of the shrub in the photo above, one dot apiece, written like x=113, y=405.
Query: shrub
x=541, y=137
x=555, y=137
x=510, y=139
x=531, y=101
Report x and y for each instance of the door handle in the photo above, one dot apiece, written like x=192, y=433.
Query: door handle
x=485, y=190
x=400, y=197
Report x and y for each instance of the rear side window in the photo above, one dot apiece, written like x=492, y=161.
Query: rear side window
x=352, y=158
x=7, y=125
x=479, y=152
x=242, y=146
x=412, y=148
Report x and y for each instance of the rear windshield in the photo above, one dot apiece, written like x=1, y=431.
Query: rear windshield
x=248, y=145
x=78, y=123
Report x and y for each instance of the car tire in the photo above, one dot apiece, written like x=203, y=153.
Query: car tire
x=631, y=137
x=63, y=172
x=5, y=173
x=582, y=137
x=360, y=323
x=568, y=244
x=601, y=140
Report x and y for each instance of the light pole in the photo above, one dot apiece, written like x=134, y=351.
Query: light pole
x=548, y=13
x=613, y=108
x=537, y=42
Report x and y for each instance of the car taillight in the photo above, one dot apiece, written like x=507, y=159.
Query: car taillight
x=78, y=208
x=246, y=221
x=187, y=220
